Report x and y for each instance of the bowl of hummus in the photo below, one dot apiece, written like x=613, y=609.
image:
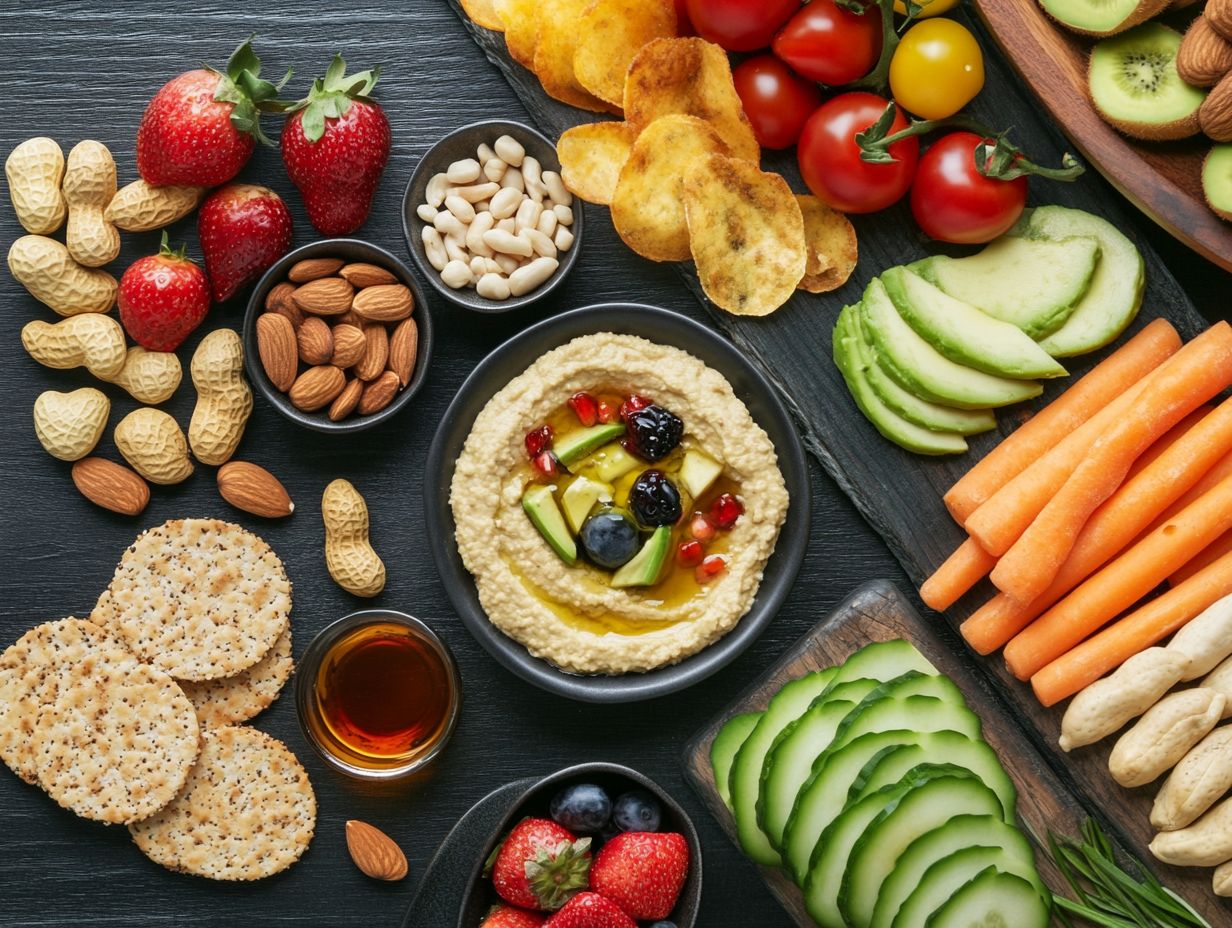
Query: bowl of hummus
x=622, y=503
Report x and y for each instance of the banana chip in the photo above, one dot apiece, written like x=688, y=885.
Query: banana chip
x=486, y=13
x=647, y=206
x=611, y=32
x=831, y=246
x=591, y=157
x=559, y=25
x=746, y=233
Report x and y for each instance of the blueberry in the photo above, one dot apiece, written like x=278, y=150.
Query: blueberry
x=654, y=500
x=610, y=538
x=637, y=811
x=652, y=433
x=582, y=808
x=662, y=924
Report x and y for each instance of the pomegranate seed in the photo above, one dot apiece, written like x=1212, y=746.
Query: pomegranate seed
x=710, y=568
x=725, y=510
x=690, y=553
x=608, y=412
x=633, y=404
x=701, y=528
x=545, y=463
x=585, y=408
x=537, y=440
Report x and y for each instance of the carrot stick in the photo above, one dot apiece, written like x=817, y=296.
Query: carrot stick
x=1083, y=399
x=1213, y=552
x=1174, y=472
x=1168, y=439
x=1112, y=647
x=962, y=570
x=1122, y=583
x=1184, y=382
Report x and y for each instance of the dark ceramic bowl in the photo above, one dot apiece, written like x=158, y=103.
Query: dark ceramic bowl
x=349, y=249
x=534, y=801
x=459, y=144
x=509, y=360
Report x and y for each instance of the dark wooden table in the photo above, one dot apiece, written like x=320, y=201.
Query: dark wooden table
x=81, y=70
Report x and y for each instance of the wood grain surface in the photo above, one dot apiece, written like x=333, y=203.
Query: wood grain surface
x=1164, y=179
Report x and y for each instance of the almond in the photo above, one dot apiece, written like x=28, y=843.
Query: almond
x=316, y=341
x=347, y=400
x=110, y=485
x=349, y=346
x=313, y=269
x=278, y=300
x=374, y=852
x=1219, y=14
x=277, y=349
x=376, y=353
x=316, y=387
x=1205, y=56
x=386, y=303
x=327, y=296
x=403, y=347
x=350, y=317
x=254, y=489
x=1215, y=113
x=360, y=275
x=379, y=393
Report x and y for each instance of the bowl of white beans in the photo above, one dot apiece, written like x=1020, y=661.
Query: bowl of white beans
x=488, y=220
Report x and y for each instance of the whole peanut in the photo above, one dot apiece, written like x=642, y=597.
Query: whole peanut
x=89, y=185
x=1220, y=680
x=1196, y=783
x=1205, y=843
x=92, y=341
x=1206, y=639
x=150, y=377
x=45, y=268
x=153, y=444
x=224, y=400
x=1221, y=882
x=69, y=425
x=1164, y=735
x=35, y=170
x=349, y=555
x=138, y=207
x=1107, y=704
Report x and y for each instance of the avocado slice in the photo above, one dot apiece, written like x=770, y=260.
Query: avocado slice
x=648, y=563
x=540, y=505
x=610, y=463
x=576, y=445
x=963, y=333
x=579, y=499
x=698, y=471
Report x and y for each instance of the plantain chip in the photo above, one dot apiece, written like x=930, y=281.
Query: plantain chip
x=611, y=32
x=830, y=241
x=559, y=22
x=692, y=76
x=746, y=233
x=521, y=18
x=591, y=157
x=486, y=13
x=647, y=208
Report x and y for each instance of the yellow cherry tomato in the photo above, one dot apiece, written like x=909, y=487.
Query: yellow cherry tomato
x=937, y=69
x=929, y=7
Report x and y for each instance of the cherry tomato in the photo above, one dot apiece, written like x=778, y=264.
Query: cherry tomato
x=830, y=156
x=953, y=202
x=929, y=7
x=740, y=25
x=683, y=25
x=777, y=102
x=937, y=69
x=827, y=43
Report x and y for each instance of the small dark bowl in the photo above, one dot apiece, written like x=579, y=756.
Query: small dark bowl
x=462, y=143
x=616, y=779
x=349, y=249
x=513, y=357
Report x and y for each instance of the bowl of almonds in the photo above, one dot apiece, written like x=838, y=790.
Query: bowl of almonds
x=337, y=335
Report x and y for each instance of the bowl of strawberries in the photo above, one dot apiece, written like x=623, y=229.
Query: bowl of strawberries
x=593, y=844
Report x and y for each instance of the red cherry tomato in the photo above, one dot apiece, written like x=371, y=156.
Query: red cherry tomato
x=777, y=102
x=830, y=157
x=740, y=25
x=953, y=202
x=825, y=42
x=683, y=25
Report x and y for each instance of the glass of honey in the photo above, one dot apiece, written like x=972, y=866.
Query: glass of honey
x=378, y=694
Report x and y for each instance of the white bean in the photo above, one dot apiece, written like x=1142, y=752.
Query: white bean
x=556, y=188
x=532, y=173
x=485, y=153
x=491, y=267
x=525, y=279
x=448, y=224
x=510, y=150
x=493, y=287
x=547, y=222
x=455, y=248
x=465, y=171
x=506, y=202
x=508, y=225
x=539, y=243
x=507, y=263
x=507, y=243
x=527, y=215
x=456, y=275
x=474, y=235
x=435, y=191
x=563, y=239
x=494, y=170
x=478, y=266
x=513, y=179
x=426, y=211
x=563, y=214
x=475, y=192
x=462, y=210
x=434, y=248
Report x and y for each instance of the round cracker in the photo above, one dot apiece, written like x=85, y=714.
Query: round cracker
x=117, y=743
x=248, y=811
x=31, y=673
x=238, y=698
x=199, y=598
x=832, y=249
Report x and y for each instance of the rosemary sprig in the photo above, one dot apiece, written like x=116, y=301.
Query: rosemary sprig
x=1109, y=896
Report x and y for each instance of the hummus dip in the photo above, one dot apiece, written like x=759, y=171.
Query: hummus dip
x=571, y=615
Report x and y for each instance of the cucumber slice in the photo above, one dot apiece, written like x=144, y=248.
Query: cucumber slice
x=723, y=750
x=993, y=900
x=944, y=878
x=873, y=856
x=914, y=713
x=882, y=660
x=960, y=832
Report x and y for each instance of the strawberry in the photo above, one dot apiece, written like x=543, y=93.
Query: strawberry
x=244, y=229
x=201, y=127
x=506, y=916
x=590, y=910
x=539, y=865
x=163, y=298
x=643, y=872
x=335, y=145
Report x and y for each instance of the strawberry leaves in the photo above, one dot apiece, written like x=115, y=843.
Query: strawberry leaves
x=243, y=87
x=331, y=96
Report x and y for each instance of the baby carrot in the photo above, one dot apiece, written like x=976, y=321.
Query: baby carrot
x=1213, y=552
x=962, y=570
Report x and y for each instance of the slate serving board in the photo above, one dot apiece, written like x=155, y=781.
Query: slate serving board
x=897, y=492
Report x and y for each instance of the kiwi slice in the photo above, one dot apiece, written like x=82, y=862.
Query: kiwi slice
x=1135, y=85
x=1217, y=180
x=1102, y=17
